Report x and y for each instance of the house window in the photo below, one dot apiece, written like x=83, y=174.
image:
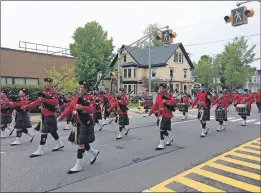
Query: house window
x=125, y=73
x=129, y=88
x=134, y=72
x=178, y=58
x=134, y=88
x=171, y=73
x=125, y=58
x=153, y=73
x=185, y=88
x=31, y=81
x=125, y=87
x=185, y=74
x=129, y=73
x=3, y=80
x=177, y=87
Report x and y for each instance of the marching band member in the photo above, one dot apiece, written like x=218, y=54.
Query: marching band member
x=105, y=99
x=82, y=106
x=22, y=119
x=235, y=98
x=121, y=103
x=185, y=99
x=248, y=100
x=6, y=113
x=222, y=103
x=258, y=100
x=165, y=104
x=65, y=102
x=98, y=113
x=48, y=101
x=204, y=99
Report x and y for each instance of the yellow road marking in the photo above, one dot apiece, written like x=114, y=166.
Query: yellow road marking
x=245, y=156
x=249, y=150
x=235, y=171
x=242, y=163
x=229, y=181
x=160, y=189
x=197, y=185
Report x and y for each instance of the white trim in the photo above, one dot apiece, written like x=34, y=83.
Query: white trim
x=147, y=191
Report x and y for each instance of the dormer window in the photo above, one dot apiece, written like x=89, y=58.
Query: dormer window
x=178, y=58
x=125, y=58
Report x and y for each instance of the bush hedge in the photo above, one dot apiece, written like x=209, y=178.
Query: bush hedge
x=32, y=91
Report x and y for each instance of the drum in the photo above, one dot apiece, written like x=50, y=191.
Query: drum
x=148, y=104
x=181, y=106
x=241, y=109
x=220, y=115
x=113, y=115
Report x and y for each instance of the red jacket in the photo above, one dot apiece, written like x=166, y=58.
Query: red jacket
x=52, y=101
x=115, y=103
x=160, y=107
x=258, y=97
x=186, y=100
x=221, y=101
x=245, y=99
x=235, y=97
x=201, y=98
x=5, y=105
x=17, y=105
x=72, y=107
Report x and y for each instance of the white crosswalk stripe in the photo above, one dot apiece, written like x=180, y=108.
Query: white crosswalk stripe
x=234, y=120
x=230, y=118
x=257, y=123
x=251, y=120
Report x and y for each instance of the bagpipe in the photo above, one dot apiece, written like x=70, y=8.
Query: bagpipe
x=170, y=107
x=123, y=108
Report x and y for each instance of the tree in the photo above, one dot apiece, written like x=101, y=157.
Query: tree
x=153, y=29
x=69, y=84
x=235, y=61
x=92, y=50
x=204, y=70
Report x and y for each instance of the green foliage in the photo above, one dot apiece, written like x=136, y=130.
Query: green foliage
x=154, y=29
x=232, y=65
x=92, y=50
x=69, y=84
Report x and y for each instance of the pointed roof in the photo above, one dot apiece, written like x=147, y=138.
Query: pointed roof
x=159, y=55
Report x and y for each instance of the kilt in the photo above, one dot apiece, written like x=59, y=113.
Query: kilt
x=248, y=111
x=84, y=134
x=105, y=112
x=123, y=120
x=49, y=124
x=185, y=110
x=97, y=116
x=206, y=116
x=165, y=124
x=22, y=120
x=6, y=119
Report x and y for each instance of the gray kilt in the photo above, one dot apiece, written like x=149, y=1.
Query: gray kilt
x=85, y=134
x=22, y=120
x=6, y=119
x=165, y=124
x=206, y=116
x=97, y=116
x=123, y=120
x=49, y=124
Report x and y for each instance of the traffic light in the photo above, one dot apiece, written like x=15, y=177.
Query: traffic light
x=113, y=75
x=166, y=36
x=228, y=19
x=249, y=13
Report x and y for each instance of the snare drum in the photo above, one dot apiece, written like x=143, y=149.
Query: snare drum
x=241, y=109
x=220, y=115
x=182, y=107
x=113, y=115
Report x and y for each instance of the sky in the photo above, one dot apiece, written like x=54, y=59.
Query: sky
x=54, y=22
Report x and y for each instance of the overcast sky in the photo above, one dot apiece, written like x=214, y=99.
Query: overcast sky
x=53, y=23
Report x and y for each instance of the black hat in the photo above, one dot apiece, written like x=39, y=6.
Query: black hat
x=122, y=89
x=24, y=90
x=221, y=92
x=48, y=80
x=84, y=83
x=245, y=90
x=164, y=85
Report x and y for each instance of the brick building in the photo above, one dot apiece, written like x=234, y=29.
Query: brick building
x=28, y=67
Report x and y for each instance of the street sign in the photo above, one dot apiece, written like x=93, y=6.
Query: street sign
x=238, y=16
x=165, y=36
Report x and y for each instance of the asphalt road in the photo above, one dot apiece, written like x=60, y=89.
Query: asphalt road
x=130, y=164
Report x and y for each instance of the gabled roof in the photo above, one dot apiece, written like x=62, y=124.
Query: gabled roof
x=159, y=55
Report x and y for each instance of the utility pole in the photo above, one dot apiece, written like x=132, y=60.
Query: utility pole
x=119, y=75
x=149, y=61
x=214, y=62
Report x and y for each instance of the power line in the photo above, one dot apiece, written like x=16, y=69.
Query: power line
x=218, y=41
